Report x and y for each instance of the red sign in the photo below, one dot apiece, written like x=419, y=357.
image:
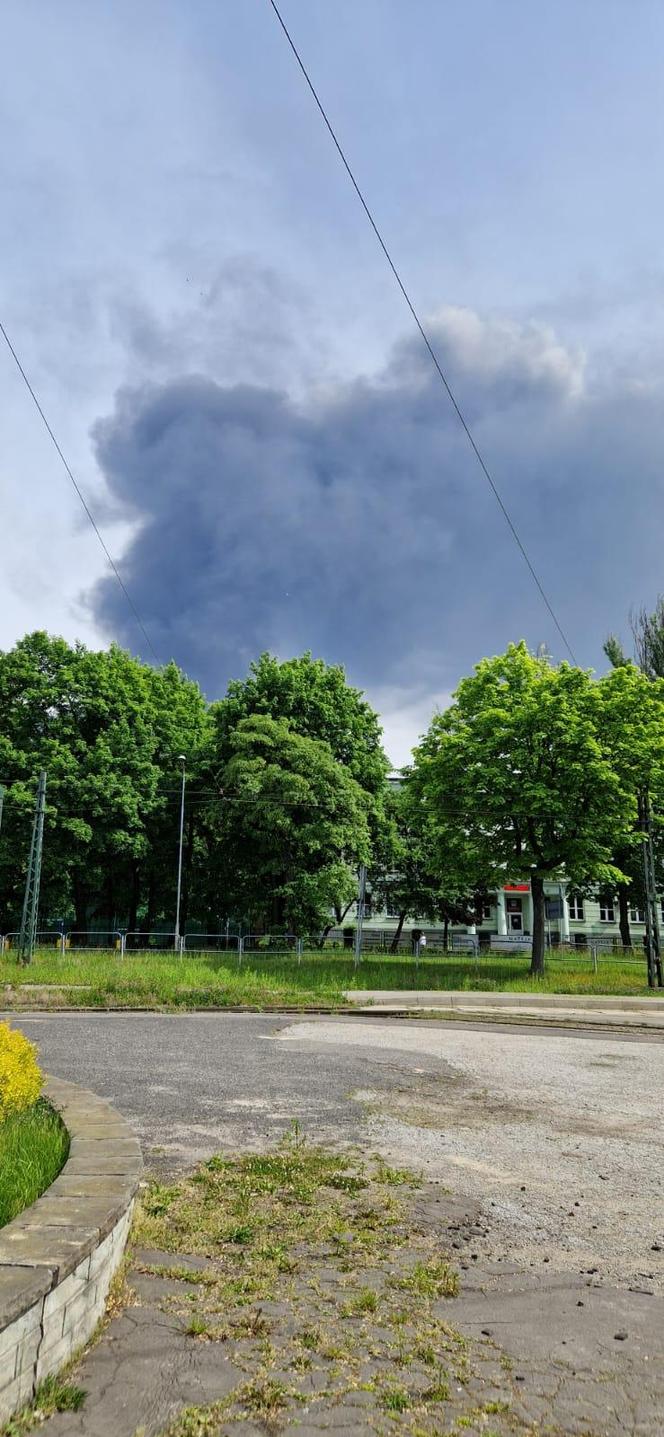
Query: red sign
x=517, y=888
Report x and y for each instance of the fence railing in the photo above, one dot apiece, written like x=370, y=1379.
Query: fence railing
x=210, y=943
x=598, y=949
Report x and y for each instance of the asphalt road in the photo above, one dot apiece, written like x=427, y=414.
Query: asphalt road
x=192, y=1083
x=559, y=1135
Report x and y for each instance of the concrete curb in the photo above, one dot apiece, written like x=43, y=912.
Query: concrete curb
x=58, y=1257
x=476, y=998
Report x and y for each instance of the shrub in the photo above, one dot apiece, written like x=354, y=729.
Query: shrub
x=20, y=1076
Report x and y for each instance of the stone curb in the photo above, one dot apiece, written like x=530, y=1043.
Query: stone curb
x=58, y=1257
x=478, y=998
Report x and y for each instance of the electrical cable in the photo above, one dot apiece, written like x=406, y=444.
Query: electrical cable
x=58, y=450
x=427, y=342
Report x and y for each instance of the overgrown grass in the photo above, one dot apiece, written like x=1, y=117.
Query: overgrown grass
x=207, y=980
x=33, y=1147
x=311, y=1257
x=54, y=1394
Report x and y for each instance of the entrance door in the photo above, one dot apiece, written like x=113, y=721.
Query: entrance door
x=514, y=913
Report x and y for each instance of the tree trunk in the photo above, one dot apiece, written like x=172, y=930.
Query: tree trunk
x=537, y=891
x=446, y=933
x=394, y=945
x=623, y=911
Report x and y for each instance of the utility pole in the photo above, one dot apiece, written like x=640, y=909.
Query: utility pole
x=28, y=933
x=183, y=761
x=361, y=893
x=653, y=948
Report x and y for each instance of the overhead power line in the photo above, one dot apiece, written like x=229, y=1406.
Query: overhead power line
x=425, y=338
x=81, y=496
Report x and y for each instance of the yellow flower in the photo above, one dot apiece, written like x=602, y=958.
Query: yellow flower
x=20, y=1075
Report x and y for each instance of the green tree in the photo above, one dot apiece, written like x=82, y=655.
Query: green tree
x=520, y=782
x=405, y=874
x=633, y=730
x=107, y=729
x=648, y=635
x=317, y=702
x=292, y=826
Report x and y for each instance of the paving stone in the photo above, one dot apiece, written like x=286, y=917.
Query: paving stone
x=20, y=1288
x=60, y=1249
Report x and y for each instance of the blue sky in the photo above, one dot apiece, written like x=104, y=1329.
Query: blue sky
x=175, y=224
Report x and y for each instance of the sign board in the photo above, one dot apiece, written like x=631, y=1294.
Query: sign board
x=517, y=888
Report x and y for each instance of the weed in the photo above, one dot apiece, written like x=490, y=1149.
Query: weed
x=394, y=1177
x=310, y=1338
x=240, y=1235
x=347, y=1183
x=54, y=1394
x=158, y=1199
x=365, y=1301
x=263, y=1398
x=395, y=1399
x=434, y=1278
x=425, y=1352
x=439, y=1390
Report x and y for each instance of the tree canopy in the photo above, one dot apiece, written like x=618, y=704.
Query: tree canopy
x=519, y=781
x=297, y=748
x=292, y=826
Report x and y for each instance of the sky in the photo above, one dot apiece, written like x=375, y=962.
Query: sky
x=195, y=293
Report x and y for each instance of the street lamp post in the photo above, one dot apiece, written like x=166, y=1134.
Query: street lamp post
x=183, y=761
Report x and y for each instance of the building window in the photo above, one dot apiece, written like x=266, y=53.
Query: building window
x=486, y=910
x=576, y=909
x=637, y=915
x=607, y=913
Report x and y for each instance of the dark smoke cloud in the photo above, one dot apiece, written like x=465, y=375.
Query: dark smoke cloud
x=356, y=522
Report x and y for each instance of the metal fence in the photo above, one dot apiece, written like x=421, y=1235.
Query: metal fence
x=597, y=951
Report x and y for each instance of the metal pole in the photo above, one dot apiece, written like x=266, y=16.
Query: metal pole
x=361, y=891
x=177, y=906
x=28, y=933
x=653, y=947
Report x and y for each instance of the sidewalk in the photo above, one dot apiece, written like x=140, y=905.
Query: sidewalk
x=607, y=1011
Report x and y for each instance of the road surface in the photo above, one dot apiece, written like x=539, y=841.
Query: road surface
x=558, y=1135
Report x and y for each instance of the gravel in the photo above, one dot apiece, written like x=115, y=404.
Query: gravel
x=560, y=1139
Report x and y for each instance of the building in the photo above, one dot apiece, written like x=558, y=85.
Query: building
x=507, y=917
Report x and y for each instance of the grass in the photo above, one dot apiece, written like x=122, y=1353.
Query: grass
x=207, y=980
x=310, y=1254
x=33, y=1147
x=434, y=1278
x=54, y=1394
